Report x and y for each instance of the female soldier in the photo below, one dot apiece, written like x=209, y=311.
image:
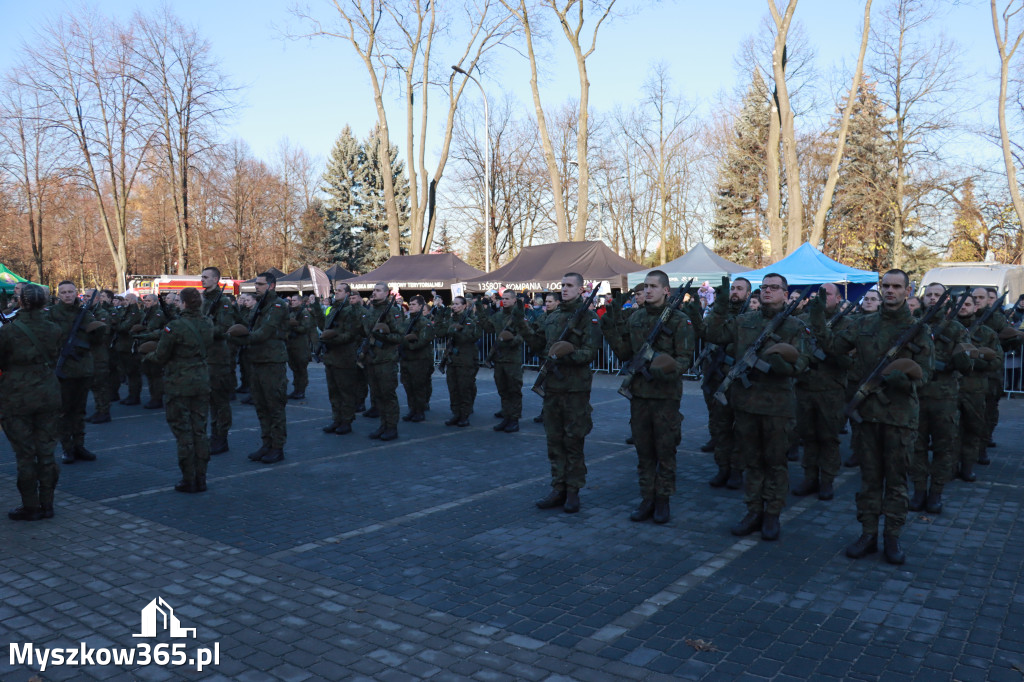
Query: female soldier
x=181, y=351
x=30, y=402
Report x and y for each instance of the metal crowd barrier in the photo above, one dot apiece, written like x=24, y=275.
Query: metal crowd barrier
x=1013, y=377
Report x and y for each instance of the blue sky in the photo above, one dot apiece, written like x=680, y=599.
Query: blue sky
x=308, y=90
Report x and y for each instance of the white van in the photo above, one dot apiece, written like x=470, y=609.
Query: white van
x=1008, y=278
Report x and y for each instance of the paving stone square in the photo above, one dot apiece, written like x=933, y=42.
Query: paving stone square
x=425, y=558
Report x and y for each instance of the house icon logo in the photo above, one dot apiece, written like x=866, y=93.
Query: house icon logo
x=158, y=614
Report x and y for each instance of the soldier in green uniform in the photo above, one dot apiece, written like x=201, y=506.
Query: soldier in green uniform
x=361, y=387
x=722, y=418
x=890, y=414
x=223, y=315
x=341, y=336
x=551, y=301
x=182, y=352
x=383, y=335
x=984, y=298
x=246, y=309
x=77, y=371
x=939, y=416
x=300, y=322
x=763, y=410
x=507, y=356
x=462, y=332
x=417, y=363
x=820, y=394
x=117, y=312
x=30, y=401
x=101, y=357
x=654, y=418
x=129, y=322
x=153, y=322
x=983, y=344
x=264, y=350
x=871, y=302
x=567, y=410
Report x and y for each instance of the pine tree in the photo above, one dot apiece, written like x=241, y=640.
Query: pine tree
x=340, y=213
x=739, y=222
x=369, y=197
x=968, y=241
x=315, y=238
x=859, y=229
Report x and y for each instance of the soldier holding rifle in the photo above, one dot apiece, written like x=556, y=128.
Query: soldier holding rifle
x=223, y=315
x=460, y=362
x=417, y=362
x=896, y=353
x=568, y=340
x=340, y=340
x=657, y=343
x=507, y=358
x=382, y=328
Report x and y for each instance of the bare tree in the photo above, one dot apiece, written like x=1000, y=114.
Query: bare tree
x=84, y=69
x=187, y=97
x=1007, y=46
x=818, y=229
x=784, y=112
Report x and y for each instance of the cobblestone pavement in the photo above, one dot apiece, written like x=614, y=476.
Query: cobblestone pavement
x=425, y=558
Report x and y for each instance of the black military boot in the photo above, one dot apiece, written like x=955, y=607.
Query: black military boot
x=186, y=485
x=750, y=523
x=893, y=553
x=330, y=428
x=377, y=433
x=453, y=421
x=806, y=487
x=218, y=446
x=131, y=401
x=372, y=413
x=247, y=400
x=709, y=446
x=644, y=511
x=572, y=501
x=661, y=509
x=258, y=455
x=735, y=481
x=499, y=415
x=69, y=457
x=826, y=491
x=47, y=510
x=462, y=423
x=983, y=458
x=408, y=417
x=512, y=426
x=25, y=514
x=771, y=528
x=934, y=502
x=630, y=441
x=84, y=455
x=154, y=404
x=864, y=545
x=917, y=500
x=297, y=395
x=720, y=479
x=967, y=472
x=853, y=461
x=501, y=425
x=539, y=419
x=389, y=434
x=556, y=498
x=418, y=417
x=273, y=456
x=343, y=429
x=99, y=418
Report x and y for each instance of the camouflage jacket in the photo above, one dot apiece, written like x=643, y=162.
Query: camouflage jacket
x=573, y=375
x=825, y=371
x=300, y=323
x=716, y=364
x=182, y=352
x=675, y=339
x=346, y=319
x=266, y=342
x=949, y=364
x=510, y=351
x=382, y=346
x=461, y=332
x=977, y=381
x=222, y=314
x=27, y=381
x=422, y=349
x=871, y=336
x=78, y=364
x=769, y=393
x=154, y=320
x=128, y=317
x=103, y=312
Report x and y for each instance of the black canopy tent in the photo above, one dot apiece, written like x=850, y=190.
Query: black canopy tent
x=422, y=272
x=307, y=279
x=539, y=268
x=249, y=285
x=336, y=273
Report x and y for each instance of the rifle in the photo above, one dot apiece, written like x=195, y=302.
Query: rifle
x=873, y=381
x=71, y=346
x=489, y=360
x=819, y=355
x=983, y=318
x=408, y=330
x=252, y=322
x=213, y=306
x=449, y=346
x=712, y=347
x=321, y=348
x=549, y=362
x=750, y=359
x=640, y=363
x=365, y=350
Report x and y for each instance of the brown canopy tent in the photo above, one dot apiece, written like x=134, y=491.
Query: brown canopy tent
x=336, y=273
x=249, y=285
x=422, y=272
x=539, y=268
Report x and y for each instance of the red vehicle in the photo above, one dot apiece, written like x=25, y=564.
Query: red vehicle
x=157, y=284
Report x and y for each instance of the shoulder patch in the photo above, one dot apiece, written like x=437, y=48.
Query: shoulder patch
x=167, y=329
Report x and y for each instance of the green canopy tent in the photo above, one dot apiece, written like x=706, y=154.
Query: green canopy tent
x=8, y=279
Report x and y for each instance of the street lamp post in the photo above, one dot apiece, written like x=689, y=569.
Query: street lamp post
x=487, y=170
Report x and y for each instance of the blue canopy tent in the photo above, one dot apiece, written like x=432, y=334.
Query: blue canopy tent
x=807, y=265
x=700, y=262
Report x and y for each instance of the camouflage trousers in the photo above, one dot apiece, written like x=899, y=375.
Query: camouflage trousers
x=222, y=386
x=657, y=427
x=973, y=429
x=186, y=415
x=995, y=393
x=114, y=376
x=721, y=422
x=383, y=382
x=939, y=426
x=462, y=389
x=101, y=386
x=74, y=394
x=298, y=361
x=884, y=460
x=567, y=422
x=342, y=387
x=763, y=441
x=268, y=386
x=155, y=378
x=508, y=380
x=131, y=365
x=416, y=380
x=33, y=438
x=819, y=421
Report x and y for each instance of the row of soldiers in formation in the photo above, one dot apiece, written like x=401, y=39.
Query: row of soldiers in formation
x=940, y=391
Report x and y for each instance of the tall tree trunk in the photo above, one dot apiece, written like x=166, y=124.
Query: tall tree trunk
x=1005, y=56
x=775, y=236
x=795, y=205
x=818, y=230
